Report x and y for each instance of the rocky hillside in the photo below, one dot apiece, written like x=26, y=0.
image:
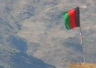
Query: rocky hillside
x=31, y=29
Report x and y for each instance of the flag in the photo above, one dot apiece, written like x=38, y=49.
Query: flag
x=72, y=18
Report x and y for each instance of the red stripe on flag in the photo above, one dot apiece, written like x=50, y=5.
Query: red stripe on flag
x=72, y=19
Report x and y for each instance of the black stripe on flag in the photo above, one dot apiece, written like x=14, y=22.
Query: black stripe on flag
x=77, y=15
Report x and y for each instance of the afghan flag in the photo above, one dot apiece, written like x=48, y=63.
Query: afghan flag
x=72, y=18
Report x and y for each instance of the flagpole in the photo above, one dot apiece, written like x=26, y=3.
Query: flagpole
x=81, y=38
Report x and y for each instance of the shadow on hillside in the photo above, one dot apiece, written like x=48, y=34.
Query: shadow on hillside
x=74, y=50
x=73, y=43
x=21, y=60
x=1, y=67
x=19, y=43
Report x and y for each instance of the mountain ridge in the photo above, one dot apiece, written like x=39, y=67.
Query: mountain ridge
x=36, y=28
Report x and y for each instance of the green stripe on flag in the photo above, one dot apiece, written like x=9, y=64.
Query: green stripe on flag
x=66, y=20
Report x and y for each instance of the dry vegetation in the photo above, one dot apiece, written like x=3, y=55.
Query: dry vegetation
x=82, y=65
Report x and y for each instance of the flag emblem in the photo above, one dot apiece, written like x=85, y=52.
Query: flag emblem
x=72, y=18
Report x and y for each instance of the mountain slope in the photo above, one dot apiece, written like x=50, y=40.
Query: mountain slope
x=11, y=58
x=35, y=27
